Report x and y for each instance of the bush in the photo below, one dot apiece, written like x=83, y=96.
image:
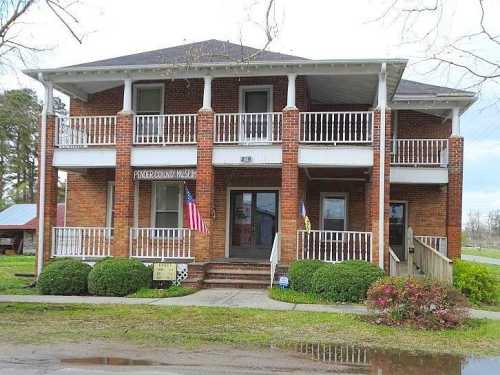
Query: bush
x=418, y=302
x=345, y=282
x=119, y=277
x=300, y=274
x=64, y=277
x=475, y=281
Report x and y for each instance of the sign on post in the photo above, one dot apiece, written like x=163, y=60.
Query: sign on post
x=164, y=271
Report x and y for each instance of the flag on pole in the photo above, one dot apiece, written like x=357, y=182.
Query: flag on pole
x=194, y=218
x=303, y=212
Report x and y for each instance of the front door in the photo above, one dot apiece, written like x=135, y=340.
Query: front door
x=255, y=122
x=253, y=223
x=397, y=229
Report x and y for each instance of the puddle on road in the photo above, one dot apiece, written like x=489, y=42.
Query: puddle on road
x=347, y=359
x=110, y=361
x=395, y=362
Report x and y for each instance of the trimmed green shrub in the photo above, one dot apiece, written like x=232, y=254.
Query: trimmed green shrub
x=300, y=274
x=475, y=281
x=422, y=303
x=64, y=277
x=346, y=281
x=119, y=277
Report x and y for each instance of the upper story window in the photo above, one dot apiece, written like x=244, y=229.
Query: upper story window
x=333, y=211
x=149, y=99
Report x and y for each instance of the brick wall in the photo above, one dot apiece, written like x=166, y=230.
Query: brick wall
x=412, y=124
x=86, y=197
x=186, y=96
x=426, y=207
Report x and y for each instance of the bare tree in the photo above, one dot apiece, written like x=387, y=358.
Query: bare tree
x=475, y=52
x=12, y=14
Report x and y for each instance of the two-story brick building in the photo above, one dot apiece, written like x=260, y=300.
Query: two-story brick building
x=367, y=152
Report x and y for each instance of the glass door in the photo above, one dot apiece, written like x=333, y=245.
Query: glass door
x=253, y=223
x=397, y=229
x=255, y=122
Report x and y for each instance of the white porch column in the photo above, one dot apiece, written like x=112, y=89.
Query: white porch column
x=207, y=94
x=455, y=122
x=290, y=97
x=127, y=96
x=382, y=106
x=50, y=97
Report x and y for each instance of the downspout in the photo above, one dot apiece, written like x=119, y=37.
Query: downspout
x=382, y=104
x=41, y=178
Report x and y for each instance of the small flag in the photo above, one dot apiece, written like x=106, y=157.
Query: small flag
x=307, y=222
x=194, y=218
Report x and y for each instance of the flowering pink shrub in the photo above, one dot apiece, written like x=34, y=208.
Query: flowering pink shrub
x=419, y=302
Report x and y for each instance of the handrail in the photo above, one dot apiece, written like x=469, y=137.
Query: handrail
x=274, y=258
x=354, y=127
x=395, y=263
x=84, y=131
x=414, y=152
x=334, y=246
x=432, y=263
x=439, y=243
x=81, y=242
x=160, y=243
x=248, y=128
x=172, y=129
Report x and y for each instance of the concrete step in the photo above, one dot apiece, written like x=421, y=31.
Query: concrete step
x=235, y=283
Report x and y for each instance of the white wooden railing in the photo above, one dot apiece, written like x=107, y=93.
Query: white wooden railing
x=165, y=129
x=160, y=243
x=84, y=131
x=336, y=127
x=81, y=242
x=333, y=246
x=343, y=354
x=438, y=243
x=275, y=255
x=394, y=264
x=414, y=152
x=248, y=127
x=432, y=263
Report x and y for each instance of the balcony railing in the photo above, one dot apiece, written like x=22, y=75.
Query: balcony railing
x=336, y=127
x=420, y=152
x=81, y=242
x=165, y=129
x=333, y=246
x=160, y=243
x=84, y=131
x=248, y=128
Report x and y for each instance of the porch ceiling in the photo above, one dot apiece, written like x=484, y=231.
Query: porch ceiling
x=338, y=173
x=348, y=89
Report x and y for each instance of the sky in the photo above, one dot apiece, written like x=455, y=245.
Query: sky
x=317, y=29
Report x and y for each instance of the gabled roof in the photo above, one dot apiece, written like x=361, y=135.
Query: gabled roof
x=23, y=216
x=207, y=51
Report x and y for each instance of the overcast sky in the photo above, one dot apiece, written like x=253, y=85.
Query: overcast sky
x=314, y=29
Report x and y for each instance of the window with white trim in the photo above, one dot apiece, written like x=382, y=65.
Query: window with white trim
x=148, y=99
x=334, y=212
x=167, y=205
x=110, y=204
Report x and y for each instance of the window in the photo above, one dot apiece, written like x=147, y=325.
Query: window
x=334, y=212
x=148, y=99
x=110, y=204
x=167, y=205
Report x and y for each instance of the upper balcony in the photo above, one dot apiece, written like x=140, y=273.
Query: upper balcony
x=419, y=161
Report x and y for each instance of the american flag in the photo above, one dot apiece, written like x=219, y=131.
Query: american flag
x=194, y=218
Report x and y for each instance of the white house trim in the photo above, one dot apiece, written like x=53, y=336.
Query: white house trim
x=110, y=198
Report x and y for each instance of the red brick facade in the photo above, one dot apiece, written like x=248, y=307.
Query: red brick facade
x=432, y=209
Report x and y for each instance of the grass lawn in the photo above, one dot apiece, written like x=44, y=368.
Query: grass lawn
x=9, y=266
x=484, y=252
x=193, y=326
x=173, y=291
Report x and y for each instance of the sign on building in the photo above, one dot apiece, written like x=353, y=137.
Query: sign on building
x=165, y=174
x=164, y=271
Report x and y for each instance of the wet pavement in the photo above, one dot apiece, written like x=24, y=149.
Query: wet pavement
x=302, y=358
